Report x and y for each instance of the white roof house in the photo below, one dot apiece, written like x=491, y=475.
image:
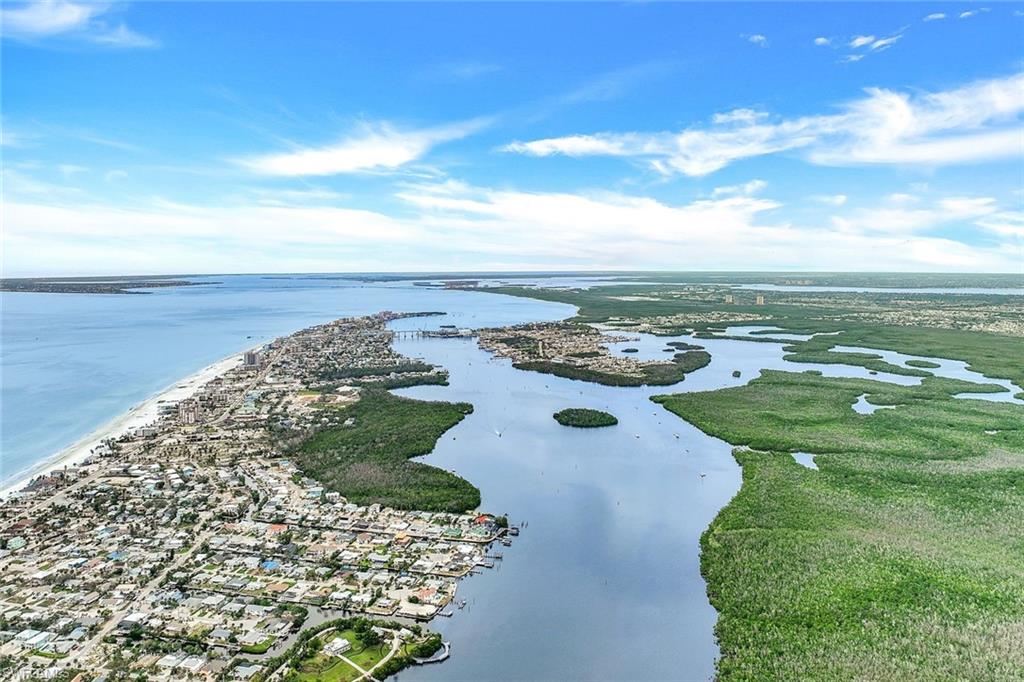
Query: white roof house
x=337, y=646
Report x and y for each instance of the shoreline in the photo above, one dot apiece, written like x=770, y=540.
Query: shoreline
x=137, y=416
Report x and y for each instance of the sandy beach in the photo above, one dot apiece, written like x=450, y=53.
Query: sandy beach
x=140, y=415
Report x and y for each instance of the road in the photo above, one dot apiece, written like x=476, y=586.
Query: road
x=396, y=644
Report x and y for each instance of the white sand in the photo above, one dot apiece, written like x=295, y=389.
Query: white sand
x=142, y=414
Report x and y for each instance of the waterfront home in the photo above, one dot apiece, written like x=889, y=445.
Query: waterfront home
x=337, y=646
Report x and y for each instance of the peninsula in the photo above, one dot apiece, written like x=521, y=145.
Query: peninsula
x=93, y=285
x=270, y=521
x=580, y=351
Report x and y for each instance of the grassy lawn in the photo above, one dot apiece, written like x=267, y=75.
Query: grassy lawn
x=47, y=654
x=900, y=558
x=369, y=461
x=260, y=648
x=364, y=657
x=367, y=658
x=315, y=665
x=328, y=670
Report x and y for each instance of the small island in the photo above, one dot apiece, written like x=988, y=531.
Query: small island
x=682, y=345
x=585, y=418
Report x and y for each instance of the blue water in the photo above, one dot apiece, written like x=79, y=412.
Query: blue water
x=608, y=561
x=604, y=582
x=71, y=363
x=805, y=459
x=862, y=406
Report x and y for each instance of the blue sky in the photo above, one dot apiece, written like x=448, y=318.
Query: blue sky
x=237, y=137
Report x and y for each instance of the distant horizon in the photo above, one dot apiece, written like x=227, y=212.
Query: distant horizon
x=460, y=274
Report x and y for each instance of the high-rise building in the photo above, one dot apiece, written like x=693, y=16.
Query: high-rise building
x=189, y=411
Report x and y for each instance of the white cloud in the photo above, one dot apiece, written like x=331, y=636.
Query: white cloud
x=691, y=152
x=884, y=43
x=739, y=116
x=872, y=43
x=746, y=189
x=975, y=123
x=956, y=208
x=163, y=237
x=831, y=199
x=42, y=19
x=292, y=197
x=11, y=139
x=69, y=169
x=973, y=12
x=1004, y=224
x=935, y=16
x=122, y=36
x=582, y=145
x=913, y=220
x=47, y=17
x=457, y=226
x=379, y=147
x=757, y=39
x=17, y=183
x=599, y=223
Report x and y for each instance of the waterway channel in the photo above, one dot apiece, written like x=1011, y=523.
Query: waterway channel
x=603, y=582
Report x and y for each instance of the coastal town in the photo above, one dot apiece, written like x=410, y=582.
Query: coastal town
x=194, y=547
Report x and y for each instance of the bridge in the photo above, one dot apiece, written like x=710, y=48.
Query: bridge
x=404, y=334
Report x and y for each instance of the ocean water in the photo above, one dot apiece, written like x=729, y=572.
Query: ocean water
x=71, y=363
x=604, y=582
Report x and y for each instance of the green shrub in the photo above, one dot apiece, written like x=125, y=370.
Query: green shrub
x=585, y=418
